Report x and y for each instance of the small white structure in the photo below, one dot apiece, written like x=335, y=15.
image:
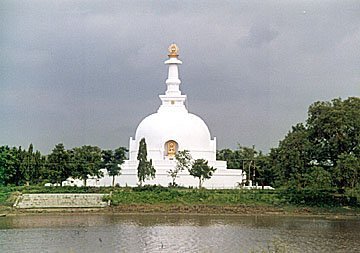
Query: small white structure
x=170, y=129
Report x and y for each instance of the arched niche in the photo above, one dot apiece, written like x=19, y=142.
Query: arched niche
x=171, y=147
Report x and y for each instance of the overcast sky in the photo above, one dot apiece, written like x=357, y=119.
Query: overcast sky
x=87, y=72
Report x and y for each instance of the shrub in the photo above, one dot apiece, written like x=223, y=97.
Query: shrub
x=317, y=197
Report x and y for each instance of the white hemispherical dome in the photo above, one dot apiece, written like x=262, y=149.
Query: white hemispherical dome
x=188, y=130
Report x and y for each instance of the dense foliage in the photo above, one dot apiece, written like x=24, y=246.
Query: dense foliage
x=26, y=167
x=250, y=161
x=315, y=161
x=20, y=167
x=325, y=152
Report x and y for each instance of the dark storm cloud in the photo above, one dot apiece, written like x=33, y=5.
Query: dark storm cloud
x=259, y=35
x=87, y=72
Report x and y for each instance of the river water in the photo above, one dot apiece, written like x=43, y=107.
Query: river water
x=176, y=233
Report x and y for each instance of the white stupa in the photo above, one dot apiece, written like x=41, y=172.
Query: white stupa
x=170, y=129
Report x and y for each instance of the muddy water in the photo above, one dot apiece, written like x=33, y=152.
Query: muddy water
x=176, y=233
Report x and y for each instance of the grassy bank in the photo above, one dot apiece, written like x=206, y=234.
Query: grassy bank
x=162, y=199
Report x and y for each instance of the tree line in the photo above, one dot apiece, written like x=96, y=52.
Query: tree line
x=24, y=167
x=323, y=152
x=20, y=166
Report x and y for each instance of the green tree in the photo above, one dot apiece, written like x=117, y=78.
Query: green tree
x=37, y=175
x=334, y=129
x=183, y=162
x=201, y=170
x=264, y=173
x=107, y=161
x=28, y=164
x=58, y=165
x=329, y=144
x=246, y=159
x=18, y=166
x=145, y=169
x=347, y=171
x=112, y=161
x=291, y=159
x=233, y=158
x=317, y=178
x=3, y=164
x=86, y=162
x=9, y=166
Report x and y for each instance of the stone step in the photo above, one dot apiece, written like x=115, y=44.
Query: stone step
x=67, y=200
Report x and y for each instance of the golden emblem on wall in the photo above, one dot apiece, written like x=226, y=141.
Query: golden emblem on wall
x=171, y=148
x=173, y=50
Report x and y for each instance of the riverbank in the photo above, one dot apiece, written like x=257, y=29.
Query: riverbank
x=154, y=199
x=191, y=210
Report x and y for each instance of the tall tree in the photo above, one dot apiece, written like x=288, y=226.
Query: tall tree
x=112, y=161
x=334, y=129
x=183, y=162
x=347, y=171
x=86, y=162
x=201, y=170
x=264, y=173
x=19, y=155
x=9, y=166
x=3, y=164
x=39, y=166
x=291, y=159
x=107, y=161
x=328, y=145
x=58, y=164
x=145, y=169
x=28, y=164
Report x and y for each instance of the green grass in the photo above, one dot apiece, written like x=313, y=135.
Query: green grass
x=4, y=197
x=157, y=194
x=7, y=196
x=193, y=196
x=287, y=198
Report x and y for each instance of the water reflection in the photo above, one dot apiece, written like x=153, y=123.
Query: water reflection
x=174, y=233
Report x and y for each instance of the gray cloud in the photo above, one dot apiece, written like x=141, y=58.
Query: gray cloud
x=87, y=72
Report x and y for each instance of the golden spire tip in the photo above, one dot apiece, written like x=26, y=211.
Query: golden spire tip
x=173, y=51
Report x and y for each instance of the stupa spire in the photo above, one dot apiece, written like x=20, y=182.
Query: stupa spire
x=173, y=80
x=173, y=98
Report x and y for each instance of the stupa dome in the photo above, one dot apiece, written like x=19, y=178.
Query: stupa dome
x=186, y=129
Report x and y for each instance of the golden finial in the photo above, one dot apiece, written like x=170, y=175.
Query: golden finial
x=173, y=51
